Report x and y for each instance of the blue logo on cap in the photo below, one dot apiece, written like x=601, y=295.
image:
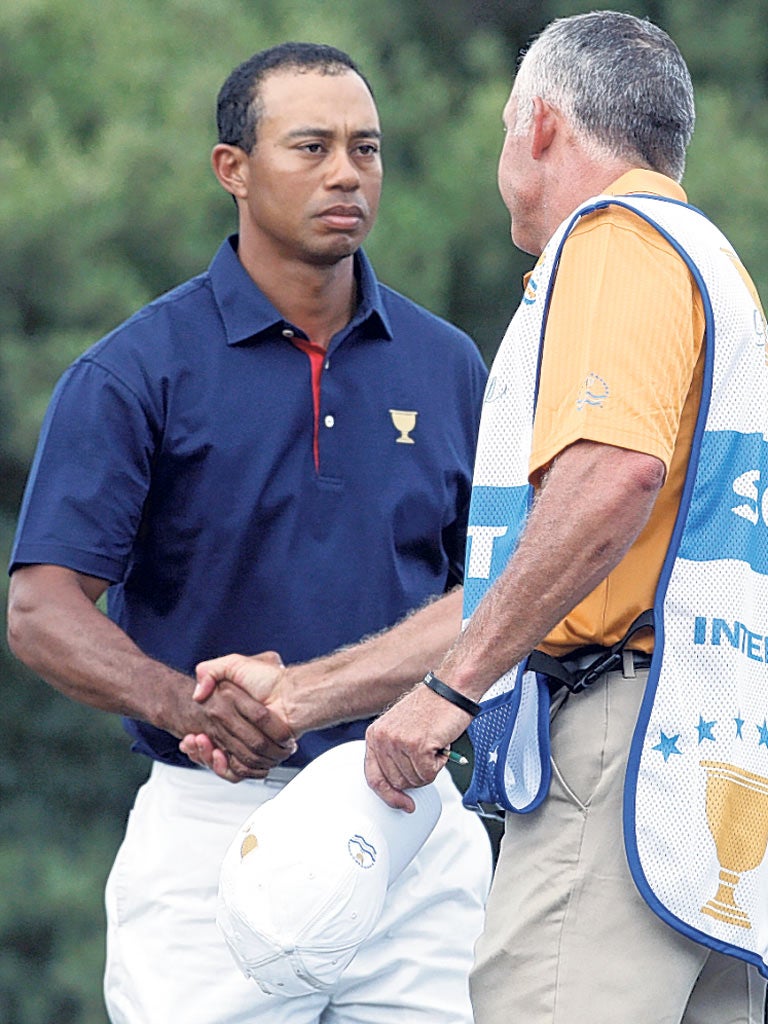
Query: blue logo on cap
x=362, y=852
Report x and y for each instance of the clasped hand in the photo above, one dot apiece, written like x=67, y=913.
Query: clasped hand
x=248, y=688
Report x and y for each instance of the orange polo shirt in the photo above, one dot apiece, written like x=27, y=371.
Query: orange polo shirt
x=622, y=365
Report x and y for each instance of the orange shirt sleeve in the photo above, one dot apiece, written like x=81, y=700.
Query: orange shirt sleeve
x=621, y=341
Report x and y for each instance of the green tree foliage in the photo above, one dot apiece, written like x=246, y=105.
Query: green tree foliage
x=107, y=199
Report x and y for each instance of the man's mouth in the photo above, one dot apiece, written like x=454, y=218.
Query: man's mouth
x=342, y=217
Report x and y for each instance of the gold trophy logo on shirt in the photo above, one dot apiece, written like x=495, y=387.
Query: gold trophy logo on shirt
x=737, y=815
x=405, y=423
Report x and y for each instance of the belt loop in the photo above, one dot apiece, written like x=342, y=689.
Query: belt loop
x=279, y=776
x=628, y=664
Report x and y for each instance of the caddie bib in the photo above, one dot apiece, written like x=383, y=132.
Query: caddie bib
x=696, y=790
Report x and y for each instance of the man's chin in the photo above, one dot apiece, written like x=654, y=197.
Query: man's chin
x=329, y=256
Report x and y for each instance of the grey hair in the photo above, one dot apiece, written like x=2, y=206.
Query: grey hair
x=621, y=83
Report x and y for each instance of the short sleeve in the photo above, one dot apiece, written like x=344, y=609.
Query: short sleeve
x=624, y=330
x=88, y=482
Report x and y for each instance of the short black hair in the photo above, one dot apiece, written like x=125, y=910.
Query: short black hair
x=238, y=109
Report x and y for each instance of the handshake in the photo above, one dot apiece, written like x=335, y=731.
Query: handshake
x=246, y=704
x=246, y=714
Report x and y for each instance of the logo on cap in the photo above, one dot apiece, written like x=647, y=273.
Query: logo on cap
x=249, y=843
x=361, y=851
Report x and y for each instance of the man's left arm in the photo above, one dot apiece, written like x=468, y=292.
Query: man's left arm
x=593, y=504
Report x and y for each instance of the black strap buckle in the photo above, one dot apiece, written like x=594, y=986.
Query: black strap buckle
x=559, y=676
x=602, y=664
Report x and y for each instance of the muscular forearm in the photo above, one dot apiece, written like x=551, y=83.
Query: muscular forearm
x=56, y=629
x=592, y=507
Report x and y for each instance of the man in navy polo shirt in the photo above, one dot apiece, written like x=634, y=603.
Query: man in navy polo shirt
x=276, y=456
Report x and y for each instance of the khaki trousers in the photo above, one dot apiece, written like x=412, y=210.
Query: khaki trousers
x=568, y=939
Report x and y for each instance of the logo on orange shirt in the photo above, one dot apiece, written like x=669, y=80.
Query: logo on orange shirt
x=594, y=391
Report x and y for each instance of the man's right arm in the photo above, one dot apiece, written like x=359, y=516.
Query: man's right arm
x=352, y=683
x=56, y=629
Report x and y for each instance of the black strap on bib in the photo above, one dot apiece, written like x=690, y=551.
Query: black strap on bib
x=606, y=659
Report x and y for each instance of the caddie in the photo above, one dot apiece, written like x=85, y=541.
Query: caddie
x=620, y=471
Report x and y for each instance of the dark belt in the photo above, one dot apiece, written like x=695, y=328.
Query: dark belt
x=584, y=657
x=578, y=669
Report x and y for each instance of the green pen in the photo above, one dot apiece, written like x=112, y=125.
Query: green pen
x=453, y=755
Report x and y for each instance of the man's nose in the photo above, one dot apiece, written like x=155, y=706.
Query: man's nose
x=343, y=172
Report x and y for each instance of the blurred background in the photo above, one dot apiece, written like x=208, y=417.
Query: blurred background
x=107, y=199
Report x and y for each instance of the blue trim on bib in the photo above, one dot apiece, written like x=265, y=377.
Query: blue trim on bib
x=680, y=546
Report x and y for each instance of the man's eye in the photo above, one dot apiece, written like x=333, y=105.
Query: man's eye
x=312, y=147
x=368, y=149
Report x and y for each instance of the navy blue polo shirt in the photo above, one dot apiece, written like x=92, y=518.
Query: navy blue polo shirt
x=243, y=491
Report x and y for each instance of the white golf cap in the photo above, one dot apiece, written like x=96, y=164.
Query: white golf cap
x=304, y=881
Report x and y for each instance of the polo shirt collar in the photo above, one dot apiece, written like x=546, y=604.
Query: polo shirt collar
x=247, y=313
x=638, y=180
x=645, y=181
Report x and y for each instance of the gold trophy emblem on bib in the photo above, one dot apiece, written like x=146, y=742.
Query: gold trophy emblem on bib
x=404, y=421
x=737, y=815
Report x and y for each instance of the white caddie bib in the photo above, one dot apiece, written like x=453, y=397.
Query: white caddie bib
x=696, y=793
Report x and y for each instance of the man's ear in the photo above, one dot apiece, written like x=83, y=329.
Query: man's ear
x=230, y=165
x=544, y=127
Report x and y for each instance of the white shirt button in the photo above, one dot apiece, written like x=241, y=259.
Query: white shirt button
x=329, y=421
x=288, y=333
